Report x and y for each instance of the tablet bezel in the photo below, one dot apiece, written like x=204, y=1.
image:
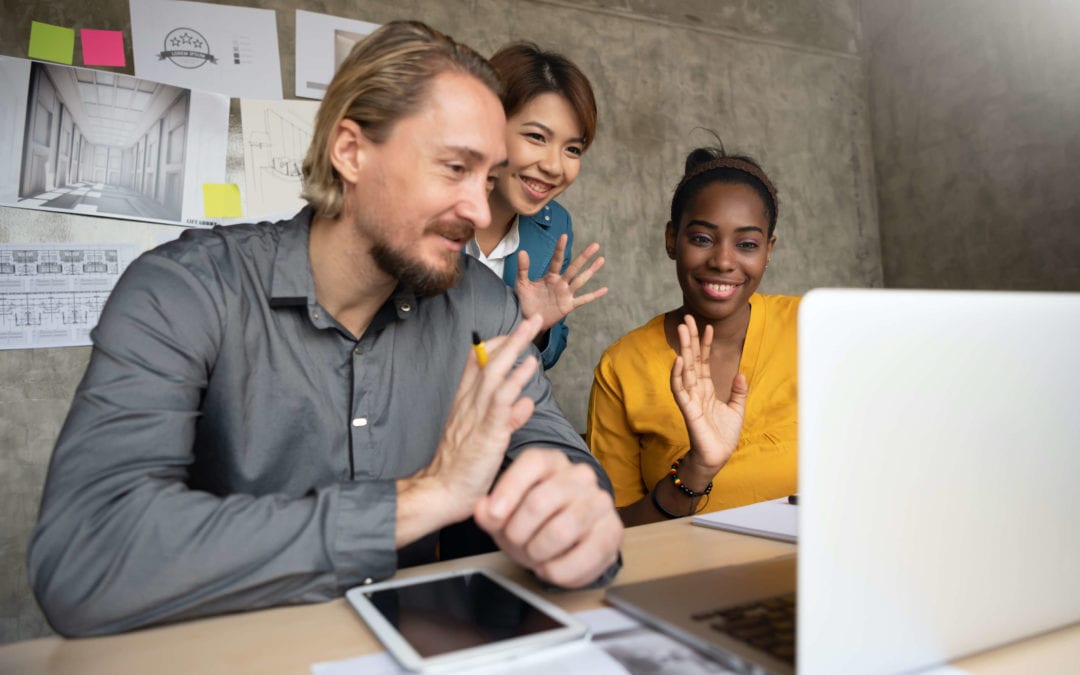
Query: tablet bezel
x=569, y=629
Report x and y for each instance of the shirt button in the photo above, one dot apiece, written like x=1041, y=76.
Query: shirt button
x=368, y=581
x=360, y=422
x=405, y=307
x=358, y=351
x=315, y=315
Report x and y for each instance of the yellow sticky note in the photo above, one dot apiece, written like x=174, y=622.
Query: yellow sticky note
x=222, y=200
x=51, y=43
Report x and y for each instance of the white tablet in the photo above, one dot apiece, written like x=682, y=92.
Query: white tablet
x=460, y=618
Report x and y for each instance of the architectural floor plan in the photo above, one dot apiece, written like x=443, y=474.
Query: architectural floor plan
x=51, y=295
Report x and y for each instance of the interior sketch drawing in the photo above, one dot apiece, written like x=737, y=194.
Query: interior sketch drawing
x=276, y=138
x=280, y=150
x=105, y=143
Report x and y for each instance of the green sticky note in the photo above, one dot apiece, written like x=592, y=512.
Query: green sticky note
x=51, y=43
x=222, y=200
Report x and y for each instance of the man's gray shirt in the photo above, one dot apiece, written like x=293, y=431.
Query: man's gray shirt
x=232, y=446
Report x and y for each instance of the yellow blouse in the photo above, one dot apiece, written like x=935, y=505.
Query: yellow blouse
x=636, y=429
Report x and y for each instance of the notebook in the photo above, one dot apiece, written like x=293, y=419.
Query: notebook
x=938, y=504
x=773, y=519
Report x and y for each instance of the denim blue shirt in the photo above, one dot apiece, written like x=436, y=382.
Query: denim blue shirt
x=540, y=233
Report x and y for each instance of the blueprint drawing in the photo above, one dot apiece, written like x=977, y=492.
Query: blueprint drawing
x=51, y=295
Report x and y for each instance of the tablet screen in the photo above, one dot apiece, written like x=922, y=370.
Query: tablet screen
x=458, y=612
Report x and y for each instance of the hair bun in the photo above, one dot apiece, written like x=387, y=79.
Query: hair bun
x=699, y=156
x=712, y=163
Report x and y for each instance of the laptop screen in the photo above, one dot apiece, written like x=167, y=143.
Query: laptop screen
x=939, y=451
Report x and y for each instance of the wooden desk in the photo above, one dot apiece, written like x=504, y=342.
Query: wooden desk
x=290, y=639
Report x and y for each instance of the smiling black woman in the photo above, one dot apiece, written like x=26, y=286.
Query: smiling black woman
x=670, y=417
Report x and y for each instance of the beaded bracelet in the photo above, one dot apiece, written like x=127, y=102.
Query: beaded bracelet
x=674, y=473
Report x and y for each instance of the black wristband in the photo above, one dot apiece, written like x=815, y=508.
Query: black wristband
x=664, y=512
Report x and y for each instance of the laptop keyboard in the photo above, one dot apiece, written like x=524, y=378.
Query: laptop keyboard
x=768, y=625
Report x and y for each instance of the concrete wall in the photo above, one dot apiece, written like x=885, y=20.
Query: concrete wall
x=782, y=81
x=976, y=126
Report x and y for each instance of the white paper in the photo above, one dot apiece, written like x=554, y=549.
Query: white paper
x=51, y=295
x=774, y=519
x=322, y=41
x=620, y=645
x=578, y=657
x=641, y=649
x=219, y=48
x=276, y=137
x=100, y=143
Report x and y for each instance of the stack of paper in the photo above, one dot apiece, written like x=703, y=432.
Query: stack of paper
x=775, y=519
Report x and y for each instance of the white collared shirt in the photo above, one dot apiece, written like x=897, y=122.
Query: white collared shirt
x=496, y=262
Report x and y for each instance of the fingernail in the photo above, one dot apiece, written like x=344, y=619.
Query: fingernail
x=497, y=507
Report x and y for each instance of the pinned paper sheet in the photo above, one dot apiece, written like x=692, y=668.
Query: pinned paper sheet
x=322, y=42
x=222, y=200
x=209, y=47
x=276, y=138
x=191, y=152
x=57, y=290
x=51, y=43
x=102, y=47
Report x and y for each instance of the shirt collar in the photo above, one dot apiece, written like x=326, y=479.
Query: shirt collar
x=543, y=216
x=293, y=284
x=509, y=244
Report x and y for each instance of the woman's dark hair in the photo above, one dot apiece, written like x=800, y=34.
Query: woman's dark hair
x=708, y=165
x=526, y=71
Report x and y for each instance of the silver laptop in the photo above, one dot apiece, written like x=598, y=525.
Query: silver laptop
x=939, y=509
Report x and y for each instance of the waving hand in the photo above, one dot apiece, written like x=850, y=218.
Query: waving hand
x=554, y=295
x=714, y=425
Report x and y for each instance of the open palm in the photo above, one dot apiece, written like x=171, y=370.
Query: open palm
x=552, y=296
x=714, y=426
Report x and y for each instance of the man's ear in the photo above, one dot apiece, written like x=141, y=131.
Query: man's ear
x=670, y=234
x=348, y=148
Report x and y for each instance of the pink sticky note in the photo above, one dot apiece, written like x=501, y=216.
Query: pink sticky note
x=102, y=47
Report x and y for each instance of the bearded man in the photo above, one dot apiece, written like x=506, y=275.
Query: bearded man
x=274, y=413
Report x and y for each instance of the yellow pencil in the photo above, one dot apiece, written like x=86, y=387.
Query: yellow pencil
x=478, y=347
